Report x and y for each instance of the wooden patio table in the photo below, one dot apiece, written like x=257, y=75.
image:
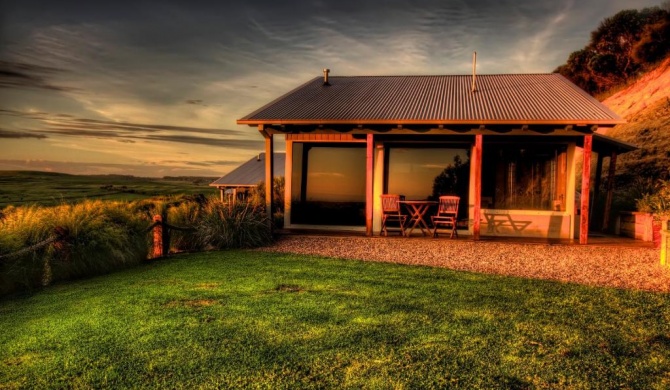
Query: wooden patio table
x=417, y=210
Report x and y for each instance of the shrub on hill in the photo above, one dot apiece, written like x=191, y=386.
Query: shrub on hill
x=620, y=48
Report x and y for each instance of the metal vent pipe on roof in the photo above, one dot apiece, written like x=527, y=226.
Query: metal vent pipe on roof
x=325, y=76
x=474, y=71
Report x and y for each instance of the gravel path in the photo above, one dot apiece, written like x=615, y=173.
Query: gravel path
x=621, y=267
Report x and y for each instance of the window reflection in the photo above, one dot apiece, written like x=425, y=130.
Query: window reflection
x=531, y=177
x=427, y=172
x=328, y=184
x=421, y=172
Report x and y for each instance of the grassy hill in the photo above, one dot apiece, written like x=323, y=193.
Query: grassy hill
x=645, y=105
x=48, y=188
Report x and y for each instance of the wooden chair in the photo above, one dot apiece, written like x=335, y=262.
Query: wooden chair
x=391, y=212
x=447, y=215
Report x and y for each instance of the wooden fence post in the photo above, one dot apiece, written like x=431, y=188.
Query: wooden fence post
x=665, y=240
x=158, y=237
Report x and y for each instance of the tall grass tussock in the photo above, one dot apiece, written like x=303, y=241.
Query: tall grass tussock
x=96, y=237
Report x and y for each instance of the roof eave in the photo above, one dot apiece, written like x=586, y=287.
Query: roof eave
x=356, y=122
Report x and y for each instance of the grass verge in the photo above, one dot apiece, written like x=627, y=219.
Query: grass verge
x=251, y=319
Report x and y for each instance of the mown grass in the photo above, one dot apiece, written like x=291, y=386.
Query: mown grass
x=252, y=319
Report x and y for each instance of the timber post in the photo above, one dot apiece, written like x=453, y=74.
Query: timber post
x=596, y=187
x=665, y=237
x=157, y=251
x=269, y=168
x=586, y=189
x=478, y=187
x=369, y=183
x=610, y=190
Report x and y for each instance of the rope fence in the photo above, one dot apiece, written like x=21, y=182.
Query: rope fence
x=159, y=228
x=59, y=234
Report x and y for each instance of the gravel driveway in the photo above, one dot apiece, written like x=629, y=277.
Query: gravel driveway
x=621, y=267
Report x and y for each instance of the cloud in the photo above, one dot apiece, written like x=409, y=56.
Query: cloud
x=18, y=135
x=202, y=163
x=70, y=122
x=68, y=125
x=23, y=75
x=229, y=143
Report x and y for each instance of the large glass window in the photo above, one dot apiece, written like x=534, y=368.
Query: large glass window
x=425, y=172
x=530, y=177
x=328, y=184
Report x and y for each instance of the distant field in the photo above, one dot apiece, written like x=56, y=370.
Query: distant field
x=46, y=188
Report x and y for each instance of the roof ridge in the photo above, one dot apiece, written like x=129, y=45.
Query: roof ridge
x=446, y=75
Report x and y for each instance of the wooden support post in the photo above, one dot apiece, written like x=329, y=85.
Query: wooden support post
x=596, y=186
x=610, y=190
x=665, y=240
x=269, y=178
x=477, y=161
x=586, y=189
x=369, y=183
x=157, y=251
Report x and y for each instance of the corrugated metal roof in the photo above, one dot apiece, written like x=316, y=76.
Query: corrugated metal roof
x=509, y=98
x=251, y=172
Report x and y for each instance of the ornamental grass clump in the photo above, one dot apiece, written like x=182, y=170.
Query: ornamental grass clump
x=86, y=238
x=21, y=227
x=185, y=215
x=239, y=225
x=657, y=201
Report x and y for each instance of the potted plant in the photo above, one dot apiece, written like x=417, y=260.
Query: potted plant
x=657, y=204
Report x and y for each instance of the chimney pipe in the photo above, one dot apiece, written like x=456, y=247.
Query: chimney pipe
x=474, y=71
x=325, y=76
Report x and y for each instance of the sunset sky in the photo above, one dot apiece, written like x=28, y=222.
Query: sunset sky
x=153, y=88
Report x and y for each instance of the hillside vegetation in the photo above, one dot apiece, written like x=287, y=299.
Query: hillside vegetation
x=646, y=107
x=621, y=48
x=627, y=65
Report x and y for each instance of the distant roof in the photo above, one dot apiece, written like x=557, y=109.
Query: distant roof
x=499, y=99
x=251, y=172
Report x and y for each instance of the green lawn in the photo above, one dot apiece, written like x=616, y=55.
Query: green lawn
x=249, y=319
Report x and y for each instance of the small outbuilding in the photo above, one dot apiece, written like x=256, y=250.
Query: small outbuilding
x=238, y=183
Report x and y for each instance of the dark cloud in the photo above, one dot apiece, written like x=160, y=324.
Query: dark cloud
x=67, y=125
x=23, y=75
x=203, y=163
x=196, y=102
x=228, y=143
x=17, y=135
x=69, y=122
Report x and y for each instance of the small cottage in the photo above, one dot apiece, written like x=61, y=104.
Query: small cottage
x=508, y=145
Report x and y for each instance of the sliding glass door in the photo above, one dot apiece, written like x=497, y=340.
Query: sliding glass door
x=328, y=184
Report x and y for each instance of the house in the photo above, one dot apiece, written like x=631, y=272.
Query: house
x=506, y=144
x=237, y=184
